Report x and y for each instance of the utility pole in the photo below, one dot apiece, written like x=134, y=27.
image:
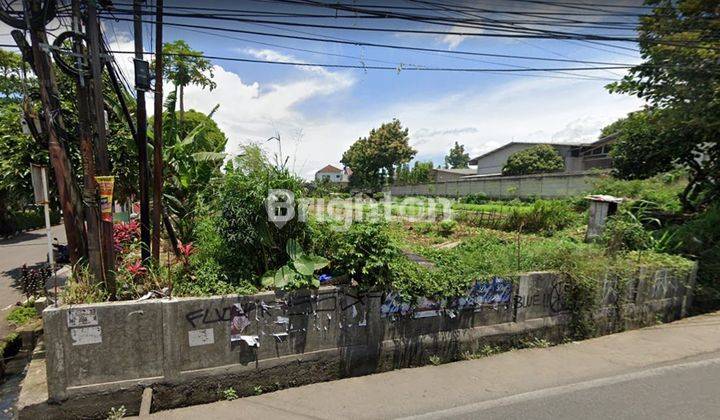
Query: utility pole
x=101, y=151
x=141, y=115
x=158, y=141
x=92, y=214
x=68, y=190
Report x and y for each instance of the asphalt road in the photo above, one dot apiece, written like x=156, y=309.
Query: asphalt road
x=28, y=248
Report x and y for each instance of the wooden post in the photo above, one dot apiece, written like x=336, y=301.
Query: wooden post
x=68, y=190
x=92, y=214
x=101, y=151
x=141, y=115
x=158, y=141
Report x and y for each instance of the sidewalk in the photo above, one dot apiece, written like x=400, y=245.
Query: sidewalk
x=486, y=381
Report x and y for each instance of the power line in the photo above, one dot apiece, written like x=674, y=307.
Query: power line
x=364, y=67
x=378, y=45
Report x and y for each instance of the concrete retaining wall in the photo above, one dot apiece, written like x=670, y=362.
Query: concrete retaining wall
x=544, y=186
x=191, y=349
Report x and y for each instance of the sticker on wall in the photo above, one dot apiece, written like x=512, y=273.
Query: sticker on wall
x=201, y=337
x=86, y=335
x=82, y=317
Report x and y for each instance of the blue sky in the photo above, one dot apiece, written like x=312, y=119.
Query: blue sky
x=320, y=112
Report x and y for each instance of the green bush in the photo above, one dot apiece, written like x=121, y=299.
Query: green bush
x=21, y=315
x=545, y=216
x=447, y=227
x=699, y=239
x=478, y=198
x=662, y=190
x=236, y=232
x=623, y=232
x=364, y=252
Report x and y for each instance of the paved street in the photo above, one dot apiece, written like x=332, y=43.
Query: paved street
x=669, y=371
x=28, y=248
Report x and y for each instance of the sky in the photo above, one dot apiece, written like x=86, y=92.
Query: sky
x=319, y=112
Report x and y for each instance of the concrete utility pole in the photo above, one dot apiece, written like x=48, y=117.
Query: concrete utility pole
x=101, y=151
x=158, y=160
x=68, y=190
x=141, y=115
x=92, y=214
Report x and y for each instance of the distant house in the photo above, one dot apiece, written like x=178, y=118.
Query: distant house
x=332, y=174
x=577, y=156
x=445, y=175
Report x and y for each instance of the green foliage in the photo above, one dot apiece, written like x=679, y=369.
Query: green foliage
x=479, y=198
x=299, y=270
x=230, y=394
x=545, y=216
x=447, y=227
x=624, y=232
x=680, y=77
x=184, y=66
x=21, y=315
x=699, y=239
x=235, y=231
x=663, y=190
x=457, y=158
x=82, y=288
x=420, y=173
x=364, y=252
x=116, y=413
x=10, y=75
x=639, y=151
x=373, y=159
x=538, y=159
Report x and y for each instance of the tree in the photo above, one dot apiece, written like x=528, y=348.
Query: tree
x=193, y=154
x=457, y=158
x=538, y=159
x=640, y=149
x=184, y=66
x=420, y=173
x=11, y=69
x=681, y=77
x=374, y=159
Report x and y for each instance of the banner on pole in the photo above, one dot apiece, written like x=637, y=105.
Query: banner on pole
x=105, y=185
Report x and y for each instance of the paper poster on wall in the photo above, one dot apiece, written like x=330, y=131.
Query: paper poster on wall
x=82, y=317
x=238, y=323
x=201, y=337
x=86, y=335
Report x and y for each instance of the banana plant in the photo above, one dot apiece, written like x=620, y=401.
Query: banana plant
x=298, y=271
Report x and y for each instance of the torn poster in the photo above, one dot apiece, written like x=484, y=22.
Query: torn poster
x=250, y=340
x=239, y=320
x=86, y=335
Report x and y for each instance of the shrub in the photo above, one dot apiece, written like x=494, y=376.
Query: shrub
x=478, y=198
x=236, y=232
x=623, y=232
x=34, y=280
x=544, y=217
x=447, y=227
x=21, y=315
x=662, y=190
x=364, y=252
